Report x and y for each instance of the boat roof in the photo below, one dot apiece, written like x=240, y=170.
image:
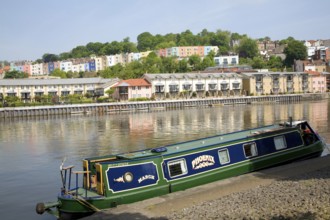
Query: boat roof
x=199, y=143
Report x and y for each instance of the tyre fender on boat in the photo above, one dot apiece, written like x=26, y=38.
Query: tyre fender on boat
x=42, y=207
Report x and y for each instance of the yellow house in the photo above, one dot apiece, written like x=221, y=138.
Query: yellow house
x=273, y=83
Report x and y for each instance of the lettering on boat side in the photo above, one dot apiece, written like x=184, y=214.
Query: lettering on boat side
x=202, y=161
x=146, y=177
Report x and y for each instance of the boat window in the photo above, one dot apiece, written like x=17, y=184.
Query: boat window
x=177, y=167
x=224, y=156
x=279, y=142
x=250, y=150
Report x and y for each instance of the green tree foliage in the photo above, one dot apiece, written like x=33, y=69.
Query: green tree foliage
x=145, y=41
x=169, y=65
x=295, y=50
x=59, y=73
x=14, y=74
x=80, y=52
x=222, y=40
x=195, y=62
x=207, y=62
x=248, y=48
x=65, y=56
x=152, y=63
x=94, y=48
x=132, y=70
x=183, y=66
x=47, y=57
x=258, y=63
x=275, y=62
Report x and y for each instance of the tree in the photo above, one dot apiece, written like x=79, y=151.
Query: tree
x=195, y=62
x=59, y=73
x=258, y=63
x=248, y=48
x=207, y=62
x=110, y=92
x=79, y=52
x=295, y=50
x=14, y=74
x=221, y=39
x=47, y=57
x=152, y=63
x=187, y=38
x=275, y=62
x=145, y=41
x=129, y=47
x=169, y=65
x=183, y=66
x=94, y=48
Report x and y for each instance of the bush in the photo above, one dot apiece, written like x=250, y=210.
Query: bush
x=139, y=99
x=102, y=99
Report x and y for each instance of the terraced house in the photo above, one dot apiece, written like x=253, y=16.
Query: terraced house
x=188, y=85
x=273, y=83
x=28, y=89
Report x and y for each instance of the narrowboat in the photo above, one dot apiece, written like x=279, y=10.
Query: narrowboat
x=112, y=180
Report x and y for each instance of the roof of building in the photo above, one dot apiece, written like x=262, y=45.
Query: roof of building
x=155, y=76
x=34, y=82
x=251, y=74
x=133, y=82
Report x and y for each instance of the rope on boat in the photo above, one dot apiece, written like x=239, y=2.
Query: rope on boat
x=84, y=202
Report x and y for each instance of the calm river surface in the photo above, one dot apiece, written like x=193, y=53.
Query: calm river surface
x=31, y=149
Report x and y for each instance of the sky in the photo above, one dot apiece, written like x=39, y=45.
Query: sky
x=31, y=28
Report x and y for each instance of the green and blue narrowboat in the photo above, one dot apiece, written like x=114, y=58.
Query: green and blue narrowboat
x=112, y=180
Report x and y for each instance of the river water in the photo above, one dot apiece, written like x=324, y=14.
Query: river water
x=31, y=149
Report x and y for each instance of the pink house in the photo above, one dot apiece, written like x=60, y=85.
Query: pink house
x=132, y=88
x=318, y=82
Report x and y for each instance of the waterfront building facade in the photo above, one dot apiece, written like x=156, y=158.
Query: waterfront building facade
x=274, y=83
x=27, y=89
x=188, y=85
x=132, y=88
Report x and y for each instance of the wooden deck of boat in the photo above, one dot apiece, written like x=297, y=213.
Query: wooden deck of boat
x=82, y=193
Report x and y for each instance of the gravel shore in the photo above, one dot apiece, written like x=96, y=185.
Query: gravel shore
x=299, y=190
x=303, y=197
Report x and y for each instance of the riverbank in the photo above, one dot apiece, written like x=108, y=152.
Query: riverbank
x=118, y=107
x=298, y=190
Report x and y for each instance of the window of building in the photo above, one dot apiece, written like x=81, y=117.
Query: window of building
x=177, y=168
x=139, y=87
x=279, y=142
x=133, y=87
x=224, y=156
x=250, y=150
x=199, y=87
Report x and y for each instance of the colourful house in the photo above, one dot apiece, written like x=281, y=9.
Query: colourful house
x=132, y=88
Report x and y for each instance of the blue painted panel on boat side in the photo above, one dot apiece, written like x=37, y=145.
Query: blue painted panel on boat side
x=209, y=160
x=131, y=176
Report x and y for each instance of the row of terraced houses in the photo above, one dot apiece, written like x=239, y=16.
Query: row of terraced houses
x=97, y=63
x=171, y=85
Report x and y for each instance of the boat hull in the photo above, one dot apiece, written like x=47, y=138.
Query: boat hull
x=72, y=209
